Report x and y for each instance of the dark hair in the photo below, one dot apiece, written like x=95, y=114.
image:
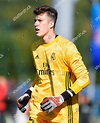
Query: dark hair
x=48, y=9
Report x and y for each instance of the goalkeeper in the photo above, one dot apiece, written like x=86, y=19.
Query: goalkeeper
x=61, y=74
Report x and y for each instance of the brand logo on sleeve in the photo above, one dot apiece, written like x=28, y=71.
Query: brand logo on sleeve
x=36, y=57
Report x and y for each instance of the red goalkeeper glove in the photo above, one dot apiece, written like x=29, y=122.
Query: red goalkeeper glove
x=24, y=99
x=50, y=103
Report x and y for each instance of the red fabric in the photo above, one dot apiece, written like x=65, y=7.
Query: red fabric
x=3, y=106
x=3, y=95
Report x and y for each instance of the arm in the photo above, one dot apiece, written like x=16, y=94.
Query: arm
x=24, y=99
x=72, y=59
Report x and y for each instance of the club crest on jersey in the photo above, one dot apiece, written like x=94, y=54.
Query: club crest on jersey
x=53, y=57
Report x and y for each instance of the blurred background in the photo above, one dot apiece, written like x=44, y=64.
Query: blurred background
x=78, y=21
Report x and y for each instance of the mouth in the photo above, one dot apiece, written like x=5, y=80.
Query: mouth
x=37, y=30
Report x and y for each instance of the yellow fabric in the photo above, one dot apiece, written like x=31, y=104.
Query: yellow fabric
x=40, y=121
x=59, y=66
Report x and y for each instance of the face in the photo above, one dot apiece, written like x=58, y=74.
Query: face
x=43, y=24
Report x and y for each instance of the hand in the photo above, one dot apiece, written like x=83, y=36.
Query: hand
x=50, y=103
x=22, y=102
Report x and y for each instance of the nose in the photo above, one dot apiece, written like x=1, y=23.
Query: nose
x=36, y=23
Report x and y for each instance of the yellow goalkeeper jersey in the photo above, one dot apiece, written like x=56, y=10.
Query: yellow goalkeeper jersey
x=59, y=66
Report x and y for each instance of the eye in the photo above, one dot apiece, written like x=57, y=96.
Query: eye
x=39, y=20
x=35, y=20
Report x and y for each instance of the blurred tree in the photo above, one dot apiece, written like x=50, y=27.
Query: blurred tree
x=82, y=22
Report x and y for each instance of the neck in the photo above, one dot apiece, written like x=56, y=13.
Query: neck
x=49, y=37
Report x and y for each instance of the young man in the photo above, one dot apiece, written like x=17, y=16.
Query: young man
x=61, y=74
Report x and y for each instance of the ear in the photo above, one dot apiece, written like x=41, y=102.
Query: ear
x=51, y=24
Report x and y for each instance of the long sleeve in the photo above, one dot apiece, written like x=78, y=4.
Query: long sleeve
x=74, y=61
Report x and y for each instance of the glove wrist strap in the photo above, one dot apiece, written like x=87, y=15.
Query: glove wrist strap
x=29, y=91
x=68, y=94
x=31, y=88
